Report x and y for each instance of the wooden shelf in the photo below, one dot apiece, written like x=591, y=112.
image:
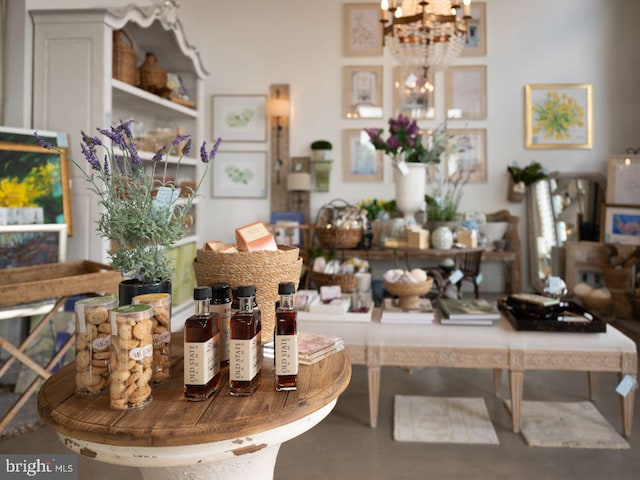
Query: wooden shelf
x=136, y=97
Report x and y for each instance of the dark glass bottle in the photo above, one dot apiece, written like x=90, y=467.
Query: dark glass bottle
x=221, y=309
x=201, y=349
x=286, y=339
x=245, y=344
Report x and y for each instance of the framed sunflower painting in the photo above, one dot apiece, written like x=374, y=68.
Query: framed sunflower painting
x=558, y=116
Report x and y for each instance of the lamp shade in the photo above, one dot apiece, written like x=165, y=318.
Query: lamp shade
x=278, y=107
x=299, y=182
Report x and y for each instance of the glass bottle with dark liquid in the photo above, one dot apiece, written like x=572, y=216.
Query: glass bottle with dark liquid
x=245, y=345
x=286, y=340
x=221, y=308
x=201, y=349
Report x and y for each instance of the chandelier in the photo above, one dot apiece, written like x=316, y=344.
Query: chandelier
x=425, y=34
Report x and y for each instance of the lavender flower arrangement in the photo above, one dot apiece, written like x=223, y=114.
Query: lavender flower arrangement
x=141, y=216
x=406, y=138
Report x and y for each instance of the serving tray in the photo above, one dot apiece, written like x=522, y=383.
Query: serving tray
x=570, y=318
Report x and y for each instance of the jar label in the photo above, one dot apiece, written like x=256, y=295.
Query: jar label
x=139, y=353
x=101, y=343
x=161, y=338
x=245, y=359
x=198, y=362
x=286, y=354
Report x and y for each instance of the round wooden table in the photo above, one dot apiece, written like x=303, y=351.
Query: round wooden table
x=222, y=437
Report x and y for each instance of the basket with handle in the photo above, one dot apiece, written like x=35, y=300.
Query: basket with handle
x=339, y=225
x=124, y=57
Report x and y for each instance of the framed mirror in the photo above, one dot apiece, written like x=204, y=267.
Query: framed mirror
x=561, y=208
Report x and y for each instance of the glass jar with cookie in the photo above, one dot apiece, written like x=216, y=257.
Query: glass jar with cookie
x=161, y=333
x=131, y=357
x=93, y=337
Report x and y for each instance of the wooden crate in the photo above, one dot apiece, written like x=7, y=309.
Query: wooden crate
x=53, y=280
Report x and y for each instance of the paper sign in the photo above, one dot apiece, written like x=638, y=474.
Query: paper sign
x=165, y=200
x=456, y=276
x=402, y=166
x=626, y=385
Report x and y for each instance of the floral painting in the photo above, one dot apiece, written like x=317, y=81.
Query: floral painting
x=558, y=116
x=240, y=174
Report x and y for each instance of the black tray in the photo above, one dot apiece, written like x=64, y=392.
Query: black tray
x=524, y=321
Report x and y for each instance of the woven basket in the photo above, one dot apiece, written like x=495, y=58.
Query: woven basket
x=409, y=293
x=346, y=281
x=124, y=57
x=264, y=269
x=153, y=78
x=600, y=306
x=338, y=237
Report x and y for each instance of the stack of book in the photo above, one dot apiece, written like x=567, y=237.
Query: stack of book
x=313, y=347
x=423, y=315
x=467, y=312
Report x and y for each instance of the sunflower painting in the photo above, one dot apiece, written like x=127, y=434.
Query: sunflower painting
x=558, y=116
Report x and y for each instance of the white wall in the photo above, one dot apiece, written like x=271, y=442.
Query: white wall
x=249, y=45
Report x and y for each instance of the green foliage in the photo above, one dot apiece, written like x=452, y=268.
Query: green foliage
x=529, y=174
x=321, y=145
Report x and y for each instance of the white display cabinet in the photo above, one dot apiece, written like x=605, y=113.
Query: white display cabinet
x=73, y=91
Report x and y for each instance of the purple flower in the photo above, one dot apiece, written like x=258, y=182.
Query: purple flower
x=214, y=150
x=393, y=142
x=178, y=139
x=44, y=143
x=187, y=147
x=203, y=152
x=157, y=157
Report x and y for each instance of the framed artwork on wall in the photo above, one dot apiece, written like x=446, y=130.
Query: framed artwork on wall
x=362, y=34
x=240, y=175
x=623, y=179
x=412, y=93
x=35, y=176
x=621, y=224
x=476, y=46
x=361, y=161
x=465, y=96
x=362, y=92
x=558, y=116
x=239, y=118
x=472, y=153
x=26, y=245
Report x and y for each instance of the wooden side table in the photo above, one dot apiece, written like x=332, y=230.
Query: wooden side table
x=223, y=437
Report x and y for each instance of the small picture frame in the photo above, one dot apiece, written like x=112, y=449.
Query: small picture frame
x=362, y=92
x=545, y=129
x=25, y=162
x=285, y=227
x=466, y=92
x=240, y=175
x=361, y=161
x=585, y=263
x=239, y=118
x=413, y=95
x=623, y=179
x=476, y=46
x=27, y=245
x=362, y=33
x=472, y=154
x=621, y=224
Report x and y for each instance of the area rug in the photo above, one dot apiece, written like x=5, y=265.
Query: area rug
x=442, y=420
x=567, y=424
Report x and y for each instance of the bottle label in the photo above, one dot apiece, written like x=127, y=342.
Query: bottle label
x=216, y=354
x=223, y=313
x=286, y=354
x=198, y=362
x=245, y=359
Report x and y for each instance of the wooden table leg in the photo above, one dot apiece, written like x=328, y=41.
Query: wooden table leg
x=593, y=380
x=374, y=394
x=516, y=381
x=497, y=382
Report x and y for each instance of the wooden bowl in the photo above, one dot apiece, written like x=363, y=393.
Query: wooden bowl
x=409, y=293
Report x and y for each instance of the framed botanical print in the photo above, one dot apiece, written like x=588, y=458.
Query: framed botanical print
x=471, y=153
x=558, y=116
x=240, y=175
x=623, y=179
x=239, y=118
x=466, y=92
x=361, y=161
x=413, y=94
x=362, y=34
x=362, y=92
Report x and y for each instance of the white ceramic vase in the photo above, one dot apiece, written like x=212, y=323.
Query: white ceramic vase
x=410, y=189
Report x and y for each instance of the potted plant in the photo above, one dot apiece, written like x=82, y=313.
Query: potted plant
x=321, y=150
x=521, y=178
x=321, y=164
x=141, y=216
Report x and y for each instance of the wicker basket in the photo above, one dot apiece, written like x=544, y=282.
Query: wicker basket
x=153, y=78
x=602, y=307
x=264, y=269
x=338, y=237
x=124, y=57
x=346, y=281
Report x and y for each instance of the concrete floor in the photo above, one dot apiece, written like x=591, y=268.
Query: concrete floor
x=343, y=446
